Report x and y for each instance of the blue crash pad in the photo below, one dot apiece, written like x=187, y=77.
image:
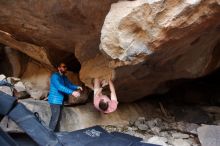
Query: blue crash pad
x=6, y=103
x=97, y=136
x=136, y=141
x=82, y=137
x=126, y=136
x=6, y=140
x=29, y=123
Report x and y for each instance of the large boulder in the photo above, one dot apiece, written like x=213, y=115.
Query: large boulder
x=149, y=43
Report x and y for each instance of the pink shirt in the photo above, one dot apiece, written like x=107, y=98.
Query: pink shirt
x=112, y=104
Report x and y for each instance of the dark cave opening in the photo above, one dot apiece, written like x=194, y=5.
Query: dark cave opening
x=191, y=100
x=204, y=90
x=57, y=56
x=5, y=66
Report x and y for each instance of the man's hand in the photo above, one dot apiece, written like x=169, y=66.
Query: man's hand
x=76, y=94
x=80, y=88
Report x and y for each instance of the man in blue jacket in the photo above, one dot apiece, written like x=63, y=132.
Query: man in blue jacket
x=59, y=87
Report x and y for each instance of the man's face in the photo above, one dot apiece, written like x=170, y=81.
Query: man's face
x=62, y=68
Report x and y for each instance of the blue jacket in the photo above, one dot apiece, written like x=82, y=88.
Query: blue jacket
x=59, y=85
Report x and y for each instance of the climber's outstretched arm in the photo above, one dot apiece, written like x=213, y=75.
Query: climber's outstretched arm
x=97, y=88
x=96, y=83
x=112, y=89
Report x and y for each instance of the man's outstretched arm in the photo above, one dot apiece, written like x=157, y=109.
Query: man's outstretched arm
x=72, y=86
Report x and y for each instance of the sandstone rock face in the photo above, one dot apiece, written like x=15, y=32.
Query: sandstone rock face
x=54, y=28
x=35, y=52
x=136, y=29
x=144, y=44
x=97, y=67
x=154, y=42
x=36, y=80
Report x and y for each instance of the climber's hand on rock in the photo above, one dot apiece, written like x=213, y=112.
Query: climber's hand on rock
x=104, y=83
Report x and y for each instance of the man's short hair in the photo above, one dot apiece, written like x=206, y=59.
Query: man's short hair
x=59, y=64
x=103, y=105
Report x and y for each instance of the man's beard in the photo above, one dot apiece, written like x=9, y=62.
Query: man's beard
x=62, y=72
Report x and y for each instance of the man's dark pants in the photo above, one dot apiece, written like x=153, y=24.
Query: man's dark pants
x=55, y=115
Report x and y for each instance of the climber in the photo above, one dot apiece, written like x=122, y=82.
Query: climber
x=101, y=101
x=59, y=87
